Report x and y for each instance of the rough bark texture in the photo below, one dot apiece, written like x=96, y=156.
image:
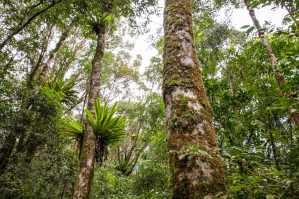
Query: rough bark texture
x=6, y=150
x=86, y=166
x=189, y=117
x=45, y=70
x=278, y=76
x=21, y=26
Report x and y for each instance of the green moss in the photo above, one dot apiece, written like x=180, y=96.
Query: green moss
x=184, y=121
x=178, y=23
x=176, y=45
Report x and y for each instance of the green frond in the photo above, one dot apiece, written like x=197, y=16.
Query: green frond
x=64, y=87
x=91, y=120
x=97, y=14
x=110, y=128
x=71, y=127
x=93, y=19
x=106, y=20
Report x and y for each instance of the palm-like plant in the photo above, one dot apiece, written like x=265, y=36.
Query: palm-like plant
x=97, y=22
x=64, y=87
x=107, y=128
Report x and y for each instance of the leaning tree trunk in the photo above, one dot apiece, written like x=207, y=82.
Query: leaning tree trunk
x=22, y=25
x=189, y=117
x=278, y=76
x=45, y=69
x=87, y=158
x=41, y=57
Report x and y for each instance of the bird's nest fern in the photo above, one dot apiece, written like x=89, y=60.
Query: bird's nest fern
x=107, y=128
x=96, y=22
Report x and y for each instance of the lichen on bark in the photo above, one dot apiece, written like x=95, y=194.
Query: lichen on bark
x=87, y=158
x=189, y=116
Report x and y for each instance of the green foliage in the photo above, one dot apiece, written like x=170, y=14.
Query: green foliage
x=109, y=183
x=95, y=23
x=151, y=180
x=71, y=127
x=109, y=128
x=64, y=87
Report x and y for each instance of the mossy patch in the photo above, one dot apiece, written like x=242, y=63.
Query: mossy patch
x=187, y=123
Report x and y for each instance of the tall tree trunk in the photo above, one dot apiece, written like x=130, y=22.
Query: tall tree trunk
x=87, y=158
x=6, y=149
x=40, y=59
x=46, y=67
x=189, y=117
x=21, y=26
x=63, y=70
x=278, y=76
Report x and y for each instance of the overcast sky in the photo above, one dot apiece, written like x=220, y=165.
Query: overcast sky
x=240, y=17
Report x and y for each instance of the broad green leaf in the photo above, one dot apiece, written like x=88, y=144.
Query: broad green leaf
x=287, y=19
x=256, y=23
x=250, y=30
x=246, y=26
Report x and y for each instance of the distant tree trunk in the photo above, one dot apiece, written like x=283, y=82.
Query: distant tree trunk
x=8, y=64
x=274, y=151
x=290, y=13
x=278, y=76
x=22, y=25
x=87, y=158
x=63, y=71
x=6, y=149
x=189, y=117
x=40, y=59
x=63, y=191
x=46, y=67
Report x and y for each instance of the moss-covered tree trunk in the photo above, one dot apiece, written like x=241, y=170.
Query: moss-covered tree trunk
x=87, y=158
x=278, y=76
x=189, y=117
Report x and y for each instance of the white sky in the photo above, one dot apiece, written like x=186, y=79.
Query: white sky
x=240, y=17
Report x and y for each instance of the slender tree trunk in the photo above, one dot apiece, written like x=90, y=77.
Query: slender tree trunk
x=290, y=13
x=41, y=56
x=274, y=151
x=292, y=6
x=46, y=67
x=21, y=26
x=6, y=149
x=278, y=76
x=87, y=158
x=189, y=117
x=9, y=63
x=63, y=191
x=64, y=70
